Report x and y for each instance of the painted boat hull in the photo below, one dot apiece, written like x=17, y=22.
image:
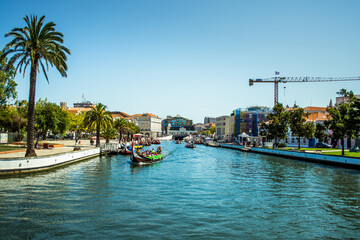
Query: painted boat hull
x=139, y=160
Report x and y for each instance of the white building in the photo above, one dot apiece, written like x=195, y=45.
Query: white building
x=149, y=124
x=181, y=131
x=224, y=127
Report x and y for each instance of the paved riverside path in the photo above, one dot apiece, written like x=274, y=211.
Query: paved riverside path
x=68, y=147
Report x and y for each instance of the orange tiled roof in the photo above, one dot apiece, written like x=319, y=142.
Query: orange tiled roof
x=318, y=117
x=146, y=114
x=125, y=114
x=120, y=114
x=315, y=109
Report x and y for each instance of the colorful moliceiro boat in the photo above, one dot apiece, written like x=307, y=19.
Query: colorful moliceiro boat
x=136, y=159
x=125, y=150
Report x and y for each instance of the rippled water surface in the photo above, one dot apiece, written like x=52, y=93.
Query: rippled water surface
x=202, y=193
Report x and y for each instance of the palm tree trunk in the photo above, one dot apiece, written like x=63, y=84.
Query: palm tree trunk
x=342, y=146
x=299, y=143
x=98, y=134
x=30, y=151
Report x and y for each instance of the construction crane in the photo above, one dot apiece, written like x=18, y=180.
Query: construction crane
x=277, y=80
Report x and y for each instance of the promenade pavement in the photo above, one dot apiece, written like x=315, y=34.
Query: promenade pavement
x=68, y=147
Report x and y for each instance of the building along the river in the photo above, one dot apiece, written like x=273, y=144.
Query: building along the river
x=149, y=124
x=209, y=120
x=247, y=120
x=181, y=132
x=176, y=121
x=224, y=127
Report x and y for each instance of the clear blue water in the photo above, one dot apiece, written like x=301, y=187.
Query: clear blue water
x=202, y=193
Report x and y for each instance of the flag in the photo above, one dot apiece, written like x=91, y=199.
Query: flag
x=277, y=73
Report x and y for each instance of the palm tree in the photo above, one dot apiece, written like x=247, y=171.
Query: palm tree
x=132, y=129
x=109, y=133
x=120, y=125
x=33, y=45
x=99, y=118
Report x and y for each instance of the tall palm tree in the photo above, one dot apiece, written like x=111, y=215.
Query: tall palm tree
x=35, y=44
x=99, y=118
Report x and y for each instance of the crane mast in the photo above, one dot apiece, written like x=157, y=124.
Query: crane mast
x=277, y=80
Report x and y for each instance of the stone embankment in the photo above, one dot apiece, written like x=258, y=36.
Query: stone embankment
x=14, y=162
x=349, y=162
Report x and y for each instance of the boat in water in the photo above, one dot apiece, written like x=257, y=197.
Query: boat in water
x=125, y=149
x=139, y=159
x=178, y=142
x=190, y=145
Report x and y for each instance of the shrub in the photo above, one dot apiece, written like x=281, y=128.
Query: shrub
x=281, y=145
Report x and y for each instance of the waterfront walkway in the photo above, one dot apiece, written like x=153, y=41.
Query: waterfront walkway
x=68, y=147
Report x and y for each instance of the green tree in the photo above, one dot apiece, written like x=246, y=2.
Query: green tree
x=51, y=117
x=99, y=118
x=77, y=123
x=35, y=44
x=109, y=133
x=277, y=126
x=20, y=118
x=7, y=83
x=212, y=129
x=342, y=122
x=64, y=122
x=121, y=125
x=298, y=124
x=320, y=132
x=7, y=115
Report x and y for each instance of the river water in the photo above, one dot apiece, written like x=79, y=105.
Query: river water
x=202, y=193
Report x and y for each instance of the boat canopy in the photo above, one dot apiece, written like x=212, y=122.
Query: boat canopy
x=138, y=135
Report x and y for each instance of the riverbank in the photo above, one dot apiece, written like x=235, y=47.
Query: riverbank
x=202, y=193
x=14, y=162
x=348, y=162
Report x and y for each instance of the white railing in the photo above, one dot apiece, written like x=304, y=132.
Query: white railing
x=109, y=147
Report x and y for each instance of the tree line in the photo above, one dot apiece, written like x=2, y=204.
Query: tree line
x=343, y=122
x=52, y=119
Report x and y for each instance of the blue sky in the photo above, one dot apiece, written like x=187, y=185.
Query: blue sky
x=194, y=58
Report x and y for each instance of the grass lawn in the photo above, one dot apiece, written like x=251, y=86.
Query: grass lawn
x=347, y=153
x=314, y=149
x=330, y=151
x=4, y=148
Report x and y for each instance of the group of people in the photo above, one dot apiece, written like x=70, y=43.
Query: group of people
x=149, y=153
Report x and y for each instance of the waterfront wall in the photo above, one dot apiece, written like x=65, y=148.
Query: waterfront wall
x=232, y=146
x=35, y=164
x=314, y=157
x=349, y=162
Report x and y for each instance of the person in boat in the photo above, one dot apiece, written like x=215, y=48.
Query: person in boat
x=159, y=150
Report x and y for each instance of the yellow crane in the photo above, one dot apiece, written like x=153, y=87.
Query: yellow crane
x=277, y=80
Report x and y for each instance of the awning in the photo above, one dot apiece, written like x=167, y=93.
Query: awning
x=243, y=135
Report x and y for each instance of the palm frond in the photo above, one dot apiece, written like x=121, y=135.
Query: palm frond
x=42, y=66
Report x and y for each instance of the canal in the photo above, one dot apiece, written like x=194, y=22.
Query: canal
x=202, y=193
